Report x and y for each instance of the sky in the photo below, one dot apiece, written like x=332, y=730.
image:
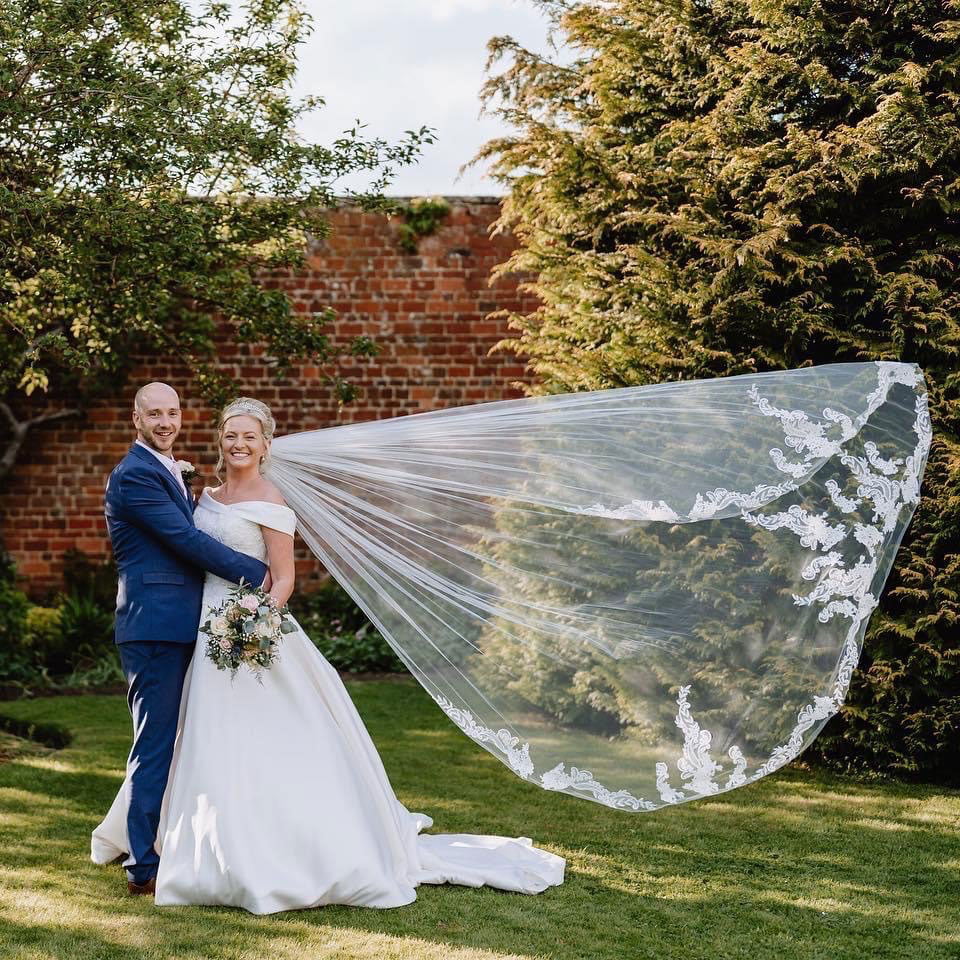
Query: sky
x=397, y=65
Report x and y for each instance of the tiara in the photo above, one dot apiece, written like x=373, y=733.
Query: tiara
x=244, y=406
x=255, y=408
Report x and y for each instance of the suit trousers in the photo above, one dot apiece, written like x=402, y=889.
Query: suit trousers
x=155, y=673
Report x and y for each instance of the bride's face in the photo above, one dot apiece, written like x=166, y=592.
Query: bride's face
x=242, y=442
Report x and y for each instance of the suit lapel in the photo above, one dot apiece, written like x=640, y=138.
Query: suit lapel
x=148, y=458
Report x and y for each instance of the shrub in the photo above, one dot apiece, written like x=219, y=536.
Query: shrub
x=13, y=607
x=74, y=633
x=42, y=628
x=102, y=672
x=85, y=611
x=342, y=633
x=713, y=189
x=89, y=578
x=86, y=626
x=61, y=640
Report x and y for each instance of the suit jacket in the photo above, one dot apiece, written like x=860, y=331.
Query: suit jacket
x=161, y=556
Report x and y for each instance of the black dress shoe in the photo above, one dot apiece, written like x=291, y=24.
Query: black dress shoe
x=139, y=889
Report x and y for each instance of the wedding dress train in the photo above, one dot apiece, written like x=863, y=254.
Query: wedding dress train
x=277, y=798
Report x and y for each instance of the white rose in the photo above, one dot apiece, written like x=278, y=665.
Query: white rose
x=219, y=627
x=264, y=629
x=185, y=466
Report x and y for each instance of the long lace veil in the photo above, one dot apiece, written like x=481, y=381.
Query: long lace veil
x=639, y=596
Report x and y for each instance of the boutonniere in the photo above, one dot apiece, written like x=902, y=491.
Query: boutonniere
x=187, y=471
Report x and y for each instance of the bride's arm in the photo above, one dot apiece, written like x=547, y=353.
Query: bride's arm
x=280, y=561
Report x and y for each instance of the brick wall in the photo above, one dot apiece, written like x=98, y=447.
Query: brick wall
x=428, y=311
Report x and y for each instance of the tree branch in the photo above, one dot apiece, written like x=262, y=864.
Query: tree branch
x=19, y=430
x=26, y=72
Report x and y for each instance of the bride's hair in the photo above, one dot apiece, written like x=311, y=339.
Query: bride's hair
x=246, y=406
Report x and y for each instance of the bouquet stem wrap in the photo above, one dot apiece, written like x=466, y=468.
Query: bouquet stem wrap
x=638, y=596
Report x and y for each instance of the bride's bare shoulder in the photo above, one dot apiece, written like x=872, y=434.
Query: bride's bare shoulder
x=270, y=493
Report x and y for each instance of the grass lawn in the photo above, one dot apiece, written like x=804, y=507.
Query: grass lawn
x=797, y=867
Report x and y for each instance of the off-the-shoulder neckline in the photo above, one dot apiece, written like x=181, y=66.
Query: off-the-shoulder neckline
x=237, y=503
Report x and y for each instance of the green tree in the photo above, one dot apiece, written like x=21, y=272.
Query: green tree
x=706, y=189
x=150, y=175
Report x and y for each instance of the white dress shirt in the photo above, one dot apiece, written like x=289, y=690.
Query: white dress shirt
x=169, y=463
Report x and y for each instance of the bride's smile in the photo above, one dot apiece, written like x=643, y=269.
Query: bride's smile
x=243, y=444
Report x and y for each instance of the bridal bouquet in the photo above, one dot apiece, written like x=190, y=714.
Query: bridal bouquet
x=246, y=629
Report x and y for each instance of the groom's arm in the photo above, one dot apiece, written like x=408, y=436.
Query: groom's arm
x=145, y=503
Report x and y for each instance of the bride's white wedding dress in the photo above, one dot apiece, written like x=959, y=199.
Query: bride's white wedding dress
x=277, y=798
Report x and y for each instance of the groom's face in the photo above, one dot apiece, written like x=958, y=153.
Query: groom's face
x=157, y=417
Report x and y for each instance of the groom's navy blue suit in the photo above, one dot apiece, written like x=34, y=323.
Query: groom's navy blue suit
x=161, y=558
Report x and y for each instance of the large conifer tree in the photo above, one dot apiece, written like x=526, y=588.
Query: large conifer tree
x=714, y=188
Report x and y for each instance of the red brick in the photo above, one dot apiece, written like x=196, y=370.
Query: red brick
x=429, y=312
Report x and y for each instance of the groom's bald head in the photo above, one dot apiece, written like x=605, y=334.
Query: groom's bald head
x=151, y=394
x=156, y=415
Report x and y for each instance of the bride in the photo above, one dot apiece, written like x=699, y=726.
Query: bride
x=277, y=798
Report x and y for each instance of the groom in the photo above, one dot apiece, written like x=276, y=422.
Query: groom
x=161, y=558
